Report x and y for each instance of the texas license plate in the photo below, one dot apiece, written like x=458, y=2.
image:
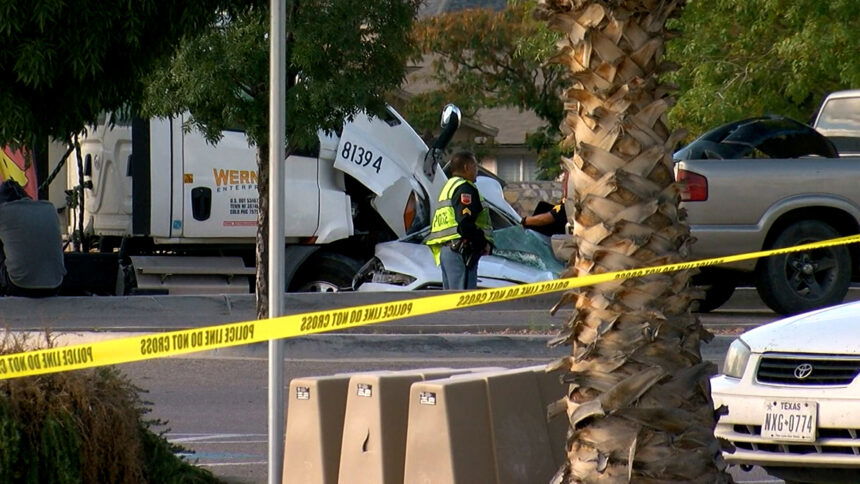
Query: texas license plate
x=790, y=420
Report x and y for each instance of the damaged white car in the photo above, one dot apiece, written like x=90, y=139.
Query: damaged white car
x=520, y=255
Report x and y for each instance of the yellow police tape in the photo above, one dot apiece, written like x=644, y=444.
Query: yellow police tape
x=138, y=348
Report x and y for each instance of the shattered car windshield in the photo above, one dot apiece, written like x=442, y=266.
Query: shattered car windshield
x=515, y=244
x=773, y=137
x=525, y=247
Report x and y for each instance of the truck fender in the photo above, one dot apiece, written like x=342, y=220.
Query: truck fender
x=294, y=257
x=804, y=202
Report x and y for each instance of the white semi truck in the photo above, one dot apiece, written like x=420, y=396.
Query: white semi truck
x=172, y=213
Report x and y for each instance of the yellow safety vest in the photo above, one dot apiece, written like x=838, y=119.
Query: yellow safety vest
x=444, y=227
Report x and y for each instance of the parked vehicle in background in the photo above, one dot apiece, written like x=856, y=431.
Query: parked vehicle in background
x=788, y=397
x=773, y=182
x=520, y=255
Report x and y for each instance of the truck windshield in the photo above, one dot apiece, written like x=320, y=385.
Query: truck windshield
x=840, y=114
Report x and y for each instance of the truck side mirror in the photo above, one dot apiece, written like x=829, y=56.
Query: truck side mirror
x=450, y=123
x=450, y=117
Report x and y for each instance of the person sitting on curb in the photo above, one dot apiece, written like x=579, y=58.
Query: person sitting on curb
x=31, y=246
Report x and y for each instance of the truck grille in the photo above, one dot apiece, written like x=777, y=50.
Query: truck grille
x=800, y=370
x=829, y=442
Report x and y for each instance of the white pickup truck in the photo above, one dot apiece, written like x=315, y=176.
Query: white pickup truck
x=773, y=182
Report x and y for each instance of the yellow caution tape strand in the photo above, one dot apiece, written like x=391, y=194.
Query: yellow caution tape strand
x=158, y=345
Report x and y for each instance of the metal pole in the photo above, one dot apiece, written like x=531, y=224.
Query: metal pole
x=277, y=130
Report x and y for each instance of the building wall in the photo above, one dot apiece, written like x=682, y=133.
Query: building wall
x=524, y=196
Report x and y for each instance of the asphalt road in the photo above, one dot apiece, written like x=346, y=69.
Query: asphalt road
x=215, y=402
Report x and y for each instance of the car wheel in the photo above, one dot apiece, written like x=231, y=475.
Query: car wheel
x=718, y=288
x=801, y=281
x=326, y=273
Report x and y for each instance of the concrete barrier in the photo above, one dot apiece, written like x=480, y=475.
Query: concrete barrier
x=373, y=448
x=551, y=390
x=486, y=427
x=351, y=427
x=314, y=429
x=448, y=438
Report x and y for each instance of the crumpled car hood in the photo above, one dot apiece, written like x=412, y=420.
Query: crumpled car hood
x=775, y=136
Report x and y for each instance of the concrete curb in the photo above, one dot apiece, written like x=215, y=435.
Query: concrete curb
x=152, y=313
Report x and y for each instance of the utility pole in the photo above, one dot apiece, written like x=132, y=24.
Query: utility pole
x=277, y=148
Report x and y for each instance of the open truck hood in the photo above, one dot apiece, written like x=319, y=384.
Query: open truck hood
x=387, y=156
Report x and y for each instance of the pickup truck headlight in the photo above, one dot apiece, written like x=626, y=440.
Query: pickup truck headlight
x=736, y=359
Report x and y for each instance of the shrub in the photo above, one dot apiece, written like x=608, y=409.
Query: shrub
x=82, y=426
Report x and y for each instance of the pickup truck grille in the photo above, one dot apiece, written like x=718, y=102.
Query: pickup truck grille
x=800, y=370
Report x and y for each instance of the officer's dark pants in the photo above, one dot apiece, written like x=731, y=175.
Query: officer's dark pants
x=455, y=274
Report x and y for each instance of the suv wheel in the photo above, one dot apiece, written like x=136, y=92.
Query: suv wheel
x=801, y=281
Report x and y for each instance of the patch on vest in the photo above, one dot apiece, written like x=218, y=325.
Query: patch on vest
x=466, y=198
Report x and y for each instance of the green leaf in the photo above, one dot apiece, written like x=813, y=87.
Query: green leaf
x=745, y=58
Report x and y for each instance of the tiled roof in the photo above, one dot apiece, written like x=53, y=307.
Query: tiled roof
x=513, y=124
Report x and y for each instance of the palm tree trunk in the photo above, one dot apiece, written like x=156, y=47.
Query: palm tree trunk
x=639, y=399
x=262, y=252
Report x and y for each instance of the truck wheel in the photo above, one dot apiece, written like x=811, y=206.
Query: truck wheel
x=326, y=273
x=717, y=289
x=801, y=281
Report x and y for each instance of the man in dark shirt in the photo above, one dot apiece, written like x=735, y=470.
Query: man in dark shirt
x=31, y=246
x=547, y=219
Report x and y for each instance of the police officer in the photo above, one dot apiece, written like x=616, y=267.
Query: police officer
x=461, y=232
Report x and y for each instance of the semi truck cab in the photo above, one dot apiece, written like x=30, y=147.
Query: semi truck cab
x=177, y=207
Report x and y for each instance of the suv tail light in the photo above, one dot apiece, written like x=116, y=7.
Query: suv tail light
x=694, y=187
